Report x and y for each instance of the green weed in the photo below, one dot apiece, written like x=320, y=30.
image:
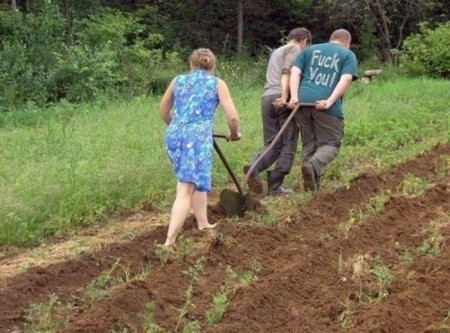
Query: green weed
x=324, y=237
x=184, y=248
x=374, y=206
x=165, y=253
x=193, y=272
x=412, y=186
x=220, y=305
x=148, y=317
x=383, y=276
x=192, y=327
x=47, y=317
x=340, y=263
x=98, y=288
x=432, y=246
x=345, y=315
x=406, y=254
x=221, y=298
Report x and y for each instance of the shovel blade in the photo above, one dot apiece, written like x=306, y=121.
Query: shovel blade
x=233, y=203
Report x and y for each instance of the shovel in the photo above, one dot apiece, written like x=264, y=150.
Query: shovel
x=236, y=203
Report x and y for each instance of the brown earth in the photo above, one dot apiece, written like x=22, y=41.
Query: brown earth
x=311, y=276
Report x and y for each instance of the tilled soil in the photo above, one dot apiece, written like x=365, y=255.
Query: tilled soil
x=381, y=274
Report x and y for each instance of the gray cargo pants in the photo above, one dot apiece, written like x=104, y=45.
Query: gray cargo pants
x=321, y=135
x=283, y=153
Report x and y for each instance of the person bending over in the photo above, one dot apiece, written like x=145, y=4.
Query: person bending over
x=322, y=74
x=274, y=114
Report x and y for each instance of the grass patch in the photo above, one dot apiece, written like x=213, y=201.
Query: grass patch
x=412, y=186
x=148, y=317
x=374, y=206
x=71, y=165
x=432, y=245
x=47, y=317
x=221, y=300
x=118, y=275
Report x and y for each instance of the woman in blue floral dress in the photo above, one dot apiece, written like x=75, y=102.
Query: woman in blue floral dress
x=194, y=98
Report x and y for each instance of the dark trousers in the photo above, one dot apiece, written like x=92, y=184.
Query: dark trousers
x=321, y=135
x=283, y=152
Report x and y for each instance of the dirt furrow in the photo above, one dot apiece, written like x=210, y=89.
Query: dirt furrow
x=241, y=246
x=279, y=248
x=310, y=294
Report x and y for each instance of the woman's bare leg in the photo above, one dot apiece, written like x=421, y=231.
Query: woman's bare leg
x=199, y=206
x=180, y=210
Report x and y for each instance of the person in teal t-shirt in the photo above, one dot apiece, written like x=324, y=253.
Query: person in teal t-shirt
x=322, y=74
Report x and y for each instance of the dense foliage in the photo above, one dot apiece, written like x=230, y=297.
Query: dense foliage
x=78, y=50
x=427, y=53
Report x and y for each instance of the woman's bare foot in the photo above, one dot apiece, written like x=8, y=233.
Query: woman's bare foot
x=207, y=226
x=169, y=242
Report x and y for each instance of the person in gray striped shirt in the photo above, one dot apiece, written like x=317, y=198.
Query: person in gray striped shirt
x=274, y=114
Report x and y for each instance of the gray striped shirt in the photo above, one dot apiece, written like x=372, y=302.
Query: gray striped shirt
x=280, y=62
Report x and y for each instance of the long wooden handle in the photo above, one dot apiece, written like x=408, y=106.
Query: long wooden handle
x=274, y=141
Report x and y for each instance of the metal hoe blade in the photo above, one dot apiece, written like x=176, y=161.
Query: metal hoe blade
x=233, y=203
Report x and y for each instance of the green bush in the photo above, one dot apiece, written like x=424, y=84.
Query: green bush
x=109, y=54
x=82, y=73
x=427, y=53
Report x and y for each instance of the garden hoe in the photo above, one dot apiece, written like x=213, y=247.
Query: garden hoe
x=237, y=203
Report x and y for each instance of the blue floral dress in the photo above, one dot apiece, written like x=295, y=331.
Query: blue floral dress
x=189, y=142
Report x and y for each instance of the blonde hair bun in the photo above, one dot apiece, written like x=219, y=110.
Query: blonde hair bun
x=203, y=59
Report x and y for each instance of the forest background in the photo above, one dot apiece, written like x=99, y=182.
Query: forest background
x=77, y=50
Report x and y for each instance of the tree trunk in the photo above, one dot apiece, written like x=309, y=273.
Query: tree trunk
x=13, y=5
x=381, y=21
x=240, y=25
x=68, y=19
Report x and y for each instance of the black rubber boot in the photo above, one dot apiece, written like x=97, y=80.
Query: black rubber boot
x=274, y=181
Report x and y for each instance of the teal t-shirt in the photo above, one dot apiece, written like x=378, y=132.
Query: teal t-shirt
x=322, y=66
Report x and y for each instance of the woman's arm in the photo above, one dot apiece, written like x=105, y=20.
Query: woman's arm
x=230, y=110
x=166, y=103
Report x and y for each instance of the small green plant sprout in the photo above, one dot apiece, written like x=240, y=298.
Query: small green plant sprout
x=344, y=227
x=247, y=278
x=150, y=325
x=383, y=276
x=47, y=317
x=324, y=237
x=432, y=246
x=412, y=186
x=345, y=315
x=220, y=305
x=184, y=248
x=165, y=254
x=445, y=325
x=98, y=288
x=121, y=330
x=193, y=272
x=192, y=327
x=405, y=253
x=340, y=263
x=221, y=301
x=444, y=167
x=374, y=206
x=143, y=273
